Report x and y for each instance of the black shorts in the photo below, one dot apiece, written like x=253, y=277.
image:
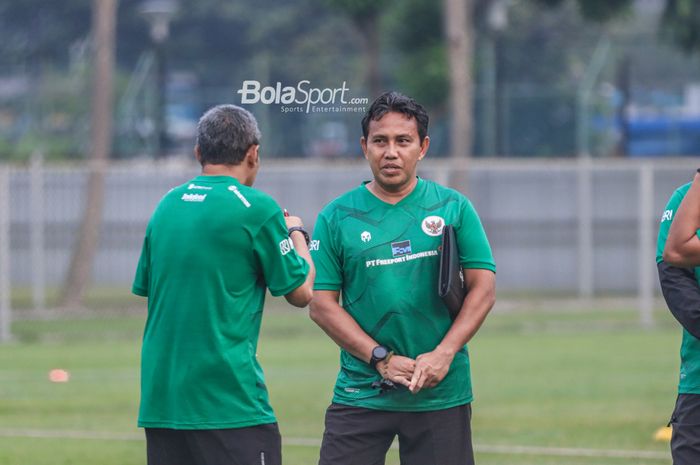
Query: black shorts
x=254, y=445
x=360, y=436
x=685, y=439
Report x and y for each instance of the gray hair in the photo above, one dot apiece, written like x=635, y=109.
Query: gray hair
x=225, y=133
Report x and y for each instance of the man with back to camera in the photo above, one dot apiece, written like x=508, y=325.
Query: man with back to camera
x=678, y=257
x=212, y=247
x=404, y=364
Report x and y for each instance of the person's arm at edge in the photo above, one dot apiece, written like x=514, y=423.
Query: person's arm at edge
x=301, y=296
x=432, y=367
x=326, y=312
x=682, y=295
x=683, y=245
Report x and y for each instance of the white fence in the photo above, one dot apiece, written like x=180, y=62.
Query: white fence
x=576, y=226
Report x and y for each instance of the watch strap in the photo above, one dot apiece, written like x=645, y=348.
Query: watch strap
x=301, y=230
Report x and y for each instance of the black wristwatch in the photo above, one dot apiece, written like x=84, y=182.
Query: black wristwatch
x=301, y=230
x=379, y=353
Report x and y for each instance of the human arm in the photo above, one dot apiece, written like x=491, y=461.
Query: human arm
x=432, y=367
x=283, y=268
x=326, y=312
x=301, y=296
x=682, y=295
x=141, y=283
x=683, y=245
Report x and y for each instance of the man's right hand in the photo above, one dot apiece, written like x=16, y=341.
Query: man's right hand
x=301, y=296
x=293, y=221
x=398, y=369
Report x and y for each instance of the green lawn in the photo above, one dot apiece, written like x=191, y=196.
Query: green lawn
x=575, y=379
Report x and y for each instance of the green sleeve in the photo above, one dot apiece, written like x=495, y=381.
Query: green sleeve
x=140, y=286
x=666, y=219
x=282, y=268
x=474, y=248
x=329, y=274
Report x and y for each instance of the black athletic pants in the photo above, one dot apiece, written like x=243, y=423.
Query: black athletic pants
x=685, y=440
x=255, y=445
x=360, y=436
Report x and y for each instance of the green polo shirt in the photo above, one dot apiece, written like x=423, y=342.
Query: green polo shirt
x=384, y=259
x=212, y=247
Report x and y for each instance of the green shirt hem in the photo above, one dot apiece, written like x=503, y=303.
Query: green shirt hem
x=207, y=425
x=139, y=291
x=326, y=287
x=480, y=266
x=398, y=408
x=294, y=285
x=688, y=389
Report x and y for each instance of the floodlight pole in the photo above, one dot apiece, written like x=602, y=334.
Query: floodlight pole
x=497, y=20
x=585, y=172
x=5, y=311
x=645, y=249
x=159, y=13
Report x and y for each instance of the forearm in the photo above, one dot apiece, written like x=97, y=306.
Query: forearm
x=683, y=246
x=303, y=251
x=432, y=367
x=341, y=327
x=682, y=295
x=477, y=305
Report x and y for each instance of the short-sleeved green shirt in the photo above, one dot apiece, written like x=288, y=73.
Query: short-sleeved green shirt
x=211, y=248
x=689, y=382
x=384, y=259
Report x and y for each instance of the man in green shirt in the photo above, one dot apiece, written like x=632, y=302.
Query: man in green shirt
x=677, y=257
x=212, y=248
x=404, y=364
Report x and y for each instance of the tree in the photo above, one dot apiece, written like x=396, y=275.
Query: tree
x=680, y=24
x=40, y=30
x=103, y=20
x=459, y=33
x=365, y=15
x=595, y=10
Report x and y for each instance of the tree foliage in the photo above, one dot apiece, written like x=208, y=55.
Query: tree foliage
x=358, y=10
x=595, y=10
x=681, y=24
x=416, y=31
x=41, y=30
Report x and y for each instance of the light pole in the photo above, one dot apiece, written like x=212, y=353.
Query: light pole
x=497, y=20
x=158, y=13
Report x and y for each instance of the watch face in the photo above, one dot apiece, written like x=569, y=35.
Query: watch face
x=380, y=352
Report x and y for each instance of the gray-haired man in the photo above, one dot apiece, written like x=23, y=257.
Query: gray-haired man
x=212, y=248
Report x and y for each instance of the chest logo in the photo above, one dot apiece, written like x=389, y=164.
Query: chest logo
x=400, y=248
x=432, y=225
x=366, y=236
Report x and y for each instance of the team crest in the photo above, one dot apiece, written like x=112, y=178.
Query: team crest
x=366, y=236
x=432, y=225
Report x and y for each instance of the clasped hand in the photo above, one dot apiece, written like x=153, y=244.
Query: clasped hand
x=426, y=371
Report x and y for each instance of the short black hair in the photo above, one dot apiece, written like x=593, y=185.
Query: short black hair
x=224, y=135
x=396, y=102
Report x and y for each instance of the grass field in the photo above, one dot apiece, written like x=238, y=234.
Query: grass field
x=565, y=387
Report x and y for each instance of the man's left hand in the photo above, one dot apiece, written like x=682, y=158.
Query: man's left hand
x=431, y=368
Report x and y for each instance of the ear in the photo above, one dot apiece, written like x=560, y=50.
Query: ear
x=424, y=147
x=363, y=144
x=252, y=158
x=197, y=155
